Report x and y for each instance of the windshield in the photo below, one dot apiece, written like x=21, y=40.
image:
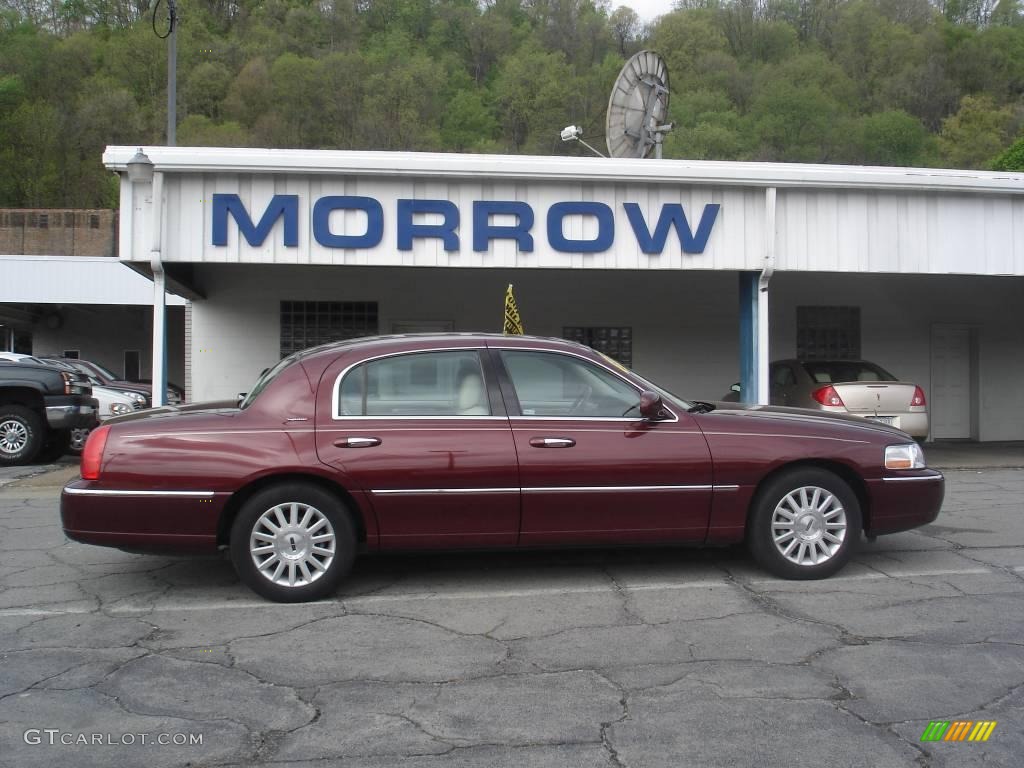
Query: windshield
x=265, y=378
x=647, y=384
x=105, y=372
x=836, y=371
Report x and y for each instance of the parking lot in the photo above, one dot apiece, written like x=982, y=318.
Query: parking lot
x=655, y=657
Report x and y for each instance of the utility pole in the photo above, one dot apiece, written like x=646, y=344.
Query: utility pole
x=172, y=73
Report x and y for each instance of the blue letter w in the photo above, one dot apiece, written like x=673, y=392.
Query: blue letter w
x=672, y=215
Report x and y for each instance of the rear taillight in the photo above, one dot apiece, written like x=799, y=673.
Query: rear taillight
x=92, y=454
x=828, y=396
x=918, y=398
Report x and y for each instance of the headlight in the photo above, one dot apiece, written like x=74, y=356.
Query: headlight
x=120, y=409
x=138, y=398
x=909, y=456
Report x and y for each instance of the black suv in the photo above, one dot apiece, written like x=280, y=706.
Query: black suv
x=39, y=406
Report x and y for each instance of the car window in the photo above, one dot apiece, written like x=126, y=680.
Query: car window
x=418, y=384
x=550, y=384
x=782, y=376
x=828, y=371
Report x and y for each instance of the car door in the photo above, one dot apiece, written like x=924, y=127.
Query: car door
x=426, y=438
x=591, y=469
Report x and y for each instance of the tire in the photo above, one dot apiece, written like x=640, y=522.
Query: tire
x=57, y=444
x=22, y=433
x=792, y=533
x=301, y=513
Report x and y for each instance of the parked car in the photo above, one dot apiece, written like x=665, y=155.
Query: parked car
x=856, y=387
x=39, y=406
x=475, y=440
x=108, y=378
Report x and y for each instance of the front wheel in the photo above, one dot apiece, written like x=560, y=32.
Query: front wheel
x=22, y=434
x=804, y=524
x=292, y=543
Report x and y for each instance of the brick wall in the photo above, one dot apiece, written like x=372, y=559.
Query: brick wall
x=58, y=232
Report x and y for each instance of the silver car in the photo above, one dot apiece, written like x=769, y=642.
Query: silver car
x=856, y=387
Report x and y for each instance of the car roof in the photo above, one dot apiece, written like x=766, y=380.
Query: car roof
x=400, y=342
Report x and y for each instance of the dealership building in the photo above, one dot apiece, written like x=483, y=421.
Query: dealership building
x=696, y=274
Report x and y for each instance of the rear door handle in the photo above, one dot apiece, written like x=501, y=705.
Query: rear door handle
x=357, y=442
x=552, y=442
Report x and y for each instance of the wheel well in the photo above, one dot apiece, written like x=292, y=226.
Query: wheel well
x=844, y=472
x=238, y=499
x=25, y=396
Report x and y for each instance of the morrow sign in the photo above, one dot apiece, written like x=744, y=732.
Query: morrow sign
x=285, y=208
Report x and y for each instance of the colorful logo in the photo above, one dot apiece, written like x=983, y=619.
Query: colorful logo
x=958, y=730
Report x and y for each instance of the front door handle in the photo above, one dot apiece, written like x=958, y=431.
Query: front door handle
x=357, y=442
x=552, y=442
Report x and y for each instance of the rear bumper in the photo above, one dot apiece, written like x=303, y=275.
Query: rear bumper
x=170, y=521
x=903, y=501
x=914, y=424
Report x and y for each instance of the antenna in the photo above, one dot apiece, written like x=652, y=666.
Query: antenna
x=638, y=108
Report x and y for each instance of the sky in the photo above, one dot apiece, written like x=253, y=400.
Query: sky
x=646, y=9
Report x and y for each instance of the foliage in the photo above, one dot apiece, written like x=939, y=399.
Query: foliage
x=890, y=82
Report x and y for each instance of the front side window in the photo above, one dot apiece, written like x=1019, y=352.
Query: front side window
x=418, y=384
x=550, y=384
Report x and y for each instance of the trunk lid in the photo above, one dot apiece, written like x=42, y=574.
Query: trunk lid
x=876, y=397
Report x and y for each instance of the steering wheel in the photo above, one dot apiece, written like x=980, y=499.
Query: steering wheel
x=577, y=404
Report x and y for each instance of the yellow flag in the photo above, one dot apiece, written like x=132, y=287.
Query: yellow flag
x=513, y=323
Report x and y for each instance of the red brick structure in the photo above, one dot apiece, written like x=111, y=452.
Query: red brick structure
x=58, y=232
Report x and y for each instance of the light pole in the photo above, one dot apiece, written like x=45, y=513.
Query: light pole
x=172, y=66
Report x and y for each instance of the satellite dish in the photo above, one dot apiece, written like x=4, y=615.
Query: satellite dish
x=638, y=108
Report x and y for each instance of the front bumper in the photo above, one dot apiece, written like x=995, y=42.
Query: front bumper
x=900, y=501
x=73, y=413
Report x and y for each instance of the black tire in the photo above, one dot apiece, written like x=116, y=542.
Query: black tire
x=56, y=445
x=305, y=496
x=77, y=440
x=763, y=525
x=22, y=434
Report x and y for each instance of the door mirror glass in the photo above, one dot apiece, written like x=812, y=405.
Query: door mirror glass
x=651, y=406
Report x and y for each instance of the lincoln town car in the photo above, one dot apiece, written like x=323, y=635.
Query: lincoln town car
x=483, y=441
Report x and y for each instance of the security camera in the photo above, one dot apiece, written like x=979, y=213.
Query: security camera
x=571, y=133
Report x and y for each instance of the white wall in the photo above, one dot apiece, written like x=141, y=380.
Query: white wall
x=685, y=323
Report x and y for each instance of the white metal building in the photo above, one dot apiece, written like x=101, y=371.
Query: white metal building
x=691, y=272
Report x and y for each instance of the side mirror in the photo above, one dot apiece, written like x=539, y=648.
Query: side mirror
x=736, y=388
x=241, y=397
x=650, y=406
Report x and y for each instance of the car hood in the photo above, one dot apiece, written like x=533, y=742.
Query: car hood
x=806, y=417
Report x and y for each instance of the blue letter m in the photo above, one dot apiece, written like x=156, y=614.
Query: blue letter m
x=672, y=215
x=280, y=205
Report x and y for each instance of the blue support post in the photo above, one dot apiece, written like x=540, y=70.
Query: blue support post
x=748, y=336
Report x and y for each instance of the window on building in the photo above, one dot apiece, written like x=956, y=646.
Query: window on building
x=132, y=363
x=616, y=342
x=71, y=354
x=44, y=221
x=420, y=384
x=94, y=221
x=828, y=333
x=306, y=324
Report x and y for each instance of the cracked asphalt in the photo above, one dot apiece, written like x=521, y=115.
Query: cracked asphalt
x=596, y=658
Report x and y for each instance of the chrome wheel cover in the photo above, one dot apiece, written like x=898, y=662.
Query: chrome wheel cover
x=809, y=525
x=13, y=437
x=292, y=544
x=78, y=438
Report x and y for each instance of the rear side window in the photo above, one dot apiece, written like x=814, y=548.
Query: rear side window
x=419, y=384
x=845, y=371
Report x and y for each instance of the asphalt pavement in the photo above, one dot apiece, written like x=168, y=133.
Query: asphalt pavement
x=652, y=657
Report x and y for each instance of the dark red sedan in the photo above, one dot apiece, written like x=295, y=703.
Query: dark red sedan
x=475, y=440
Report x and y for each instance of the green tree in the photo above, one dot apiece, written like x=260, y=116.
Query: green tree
x=1012, y=159
x=976, y=133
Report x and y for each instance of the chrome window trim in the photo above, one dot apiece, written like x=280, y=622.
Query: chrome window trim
x=336, y=414
x=102, y=492
x=600, y=488
x=426, y=491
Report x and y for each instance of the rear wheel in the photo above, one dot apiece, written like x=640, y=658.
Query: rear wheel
x=78, y=438
x=21, y=434
x=293, y=542
x=804, y=524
